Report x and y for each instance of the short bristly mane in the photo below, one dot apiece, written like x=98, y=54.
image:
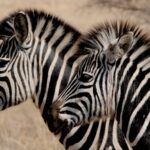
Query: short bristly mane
x=104, y=34
x=36, y=16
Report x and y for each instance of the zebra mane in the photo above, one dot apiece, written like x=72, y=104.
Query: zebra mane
x=35, y=16
x=106, y=33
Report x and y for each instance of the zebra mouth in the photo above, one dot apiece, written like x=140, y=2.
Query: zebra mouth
x=57, y=125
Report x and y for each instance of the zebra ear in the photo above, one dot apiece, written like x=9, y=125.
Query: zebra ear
x=21, y=27
x=125, y=42
x=117, y=50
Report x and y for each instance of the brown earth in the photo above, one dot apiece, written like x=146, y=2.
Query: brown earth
x=21, y=127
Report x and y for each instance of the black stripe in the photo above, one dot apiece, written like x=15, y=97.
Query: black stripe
x=77, y=107
x=144, y=141
x=91, y=136
x=73, y=114
x=54, y=29
x=101, y=137
x=142, y=114
x=44, y=80
x=59, y=40
x=129, y=107
x=5, y=79
x=15, y=80
x=77, y=137
x=19, y=66
x=43, y=28
x=119, y=75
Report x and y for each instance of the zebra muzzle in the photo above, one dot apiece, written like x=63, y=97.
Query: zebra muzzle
x=56, y=125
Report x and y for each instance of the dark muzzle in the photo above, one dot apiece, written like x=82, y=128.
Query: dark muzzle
x=55, y=124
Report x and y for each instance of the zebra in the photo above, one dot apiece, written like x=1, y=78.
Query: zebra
x=112, y=81
x=38, y=57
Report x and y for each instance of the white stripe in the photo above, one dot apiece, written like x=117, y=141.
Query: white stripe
x=59, y=31
x=47, y=31
x=39, y=27
x=34, y=49
x=105, y=135
x=46, y=55
x=26, y=88
x=41, y=51
x=75, y=65
x=17, y=76
x=115, y=137
x=100, y=98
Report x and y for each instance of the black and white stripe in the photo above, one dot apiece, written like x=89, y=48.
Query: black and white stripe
x=37, y=59
x=103, y=134
x=113, y=80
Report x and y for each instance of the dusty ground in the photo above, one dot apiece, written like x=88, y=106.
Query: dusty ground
x=21, y=127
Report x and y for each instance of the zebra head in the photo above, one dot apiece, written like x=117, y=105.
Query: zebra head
x=15, y=66
x=86, y=97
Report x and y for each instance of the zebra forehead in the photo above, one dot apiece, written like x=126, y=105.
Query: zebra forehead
x=108, y=33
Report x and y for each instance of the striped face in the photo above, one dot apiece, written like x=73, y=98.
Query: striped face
x=84, y=97
x=87, y=95
x=15, y=66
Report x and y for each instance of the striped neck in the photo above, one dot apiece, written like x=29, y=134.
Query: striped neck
x=52, y=55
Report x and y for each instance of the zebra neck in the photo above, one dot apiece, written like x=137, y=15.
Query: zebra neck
x=53, y=57
x=55, y=62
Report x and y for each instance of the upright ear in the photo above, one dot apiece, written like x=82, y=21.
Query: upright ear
x=125, y=42
x=118, y=49
x=22, y=29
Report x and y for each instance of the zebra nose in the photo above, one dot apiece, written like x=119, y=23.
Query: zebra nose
x=56, y=125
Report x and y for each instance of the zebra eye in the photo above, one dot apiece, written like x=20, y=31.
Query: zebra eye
x=85, y=77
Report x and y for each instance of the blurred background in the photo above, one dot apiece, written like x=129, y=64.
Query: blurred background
x=21, y=127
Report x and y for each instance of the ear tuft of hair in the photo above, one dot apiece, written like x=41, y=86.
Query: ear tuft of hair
x=125, y=42
x=117, y=50
x=104, y=34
